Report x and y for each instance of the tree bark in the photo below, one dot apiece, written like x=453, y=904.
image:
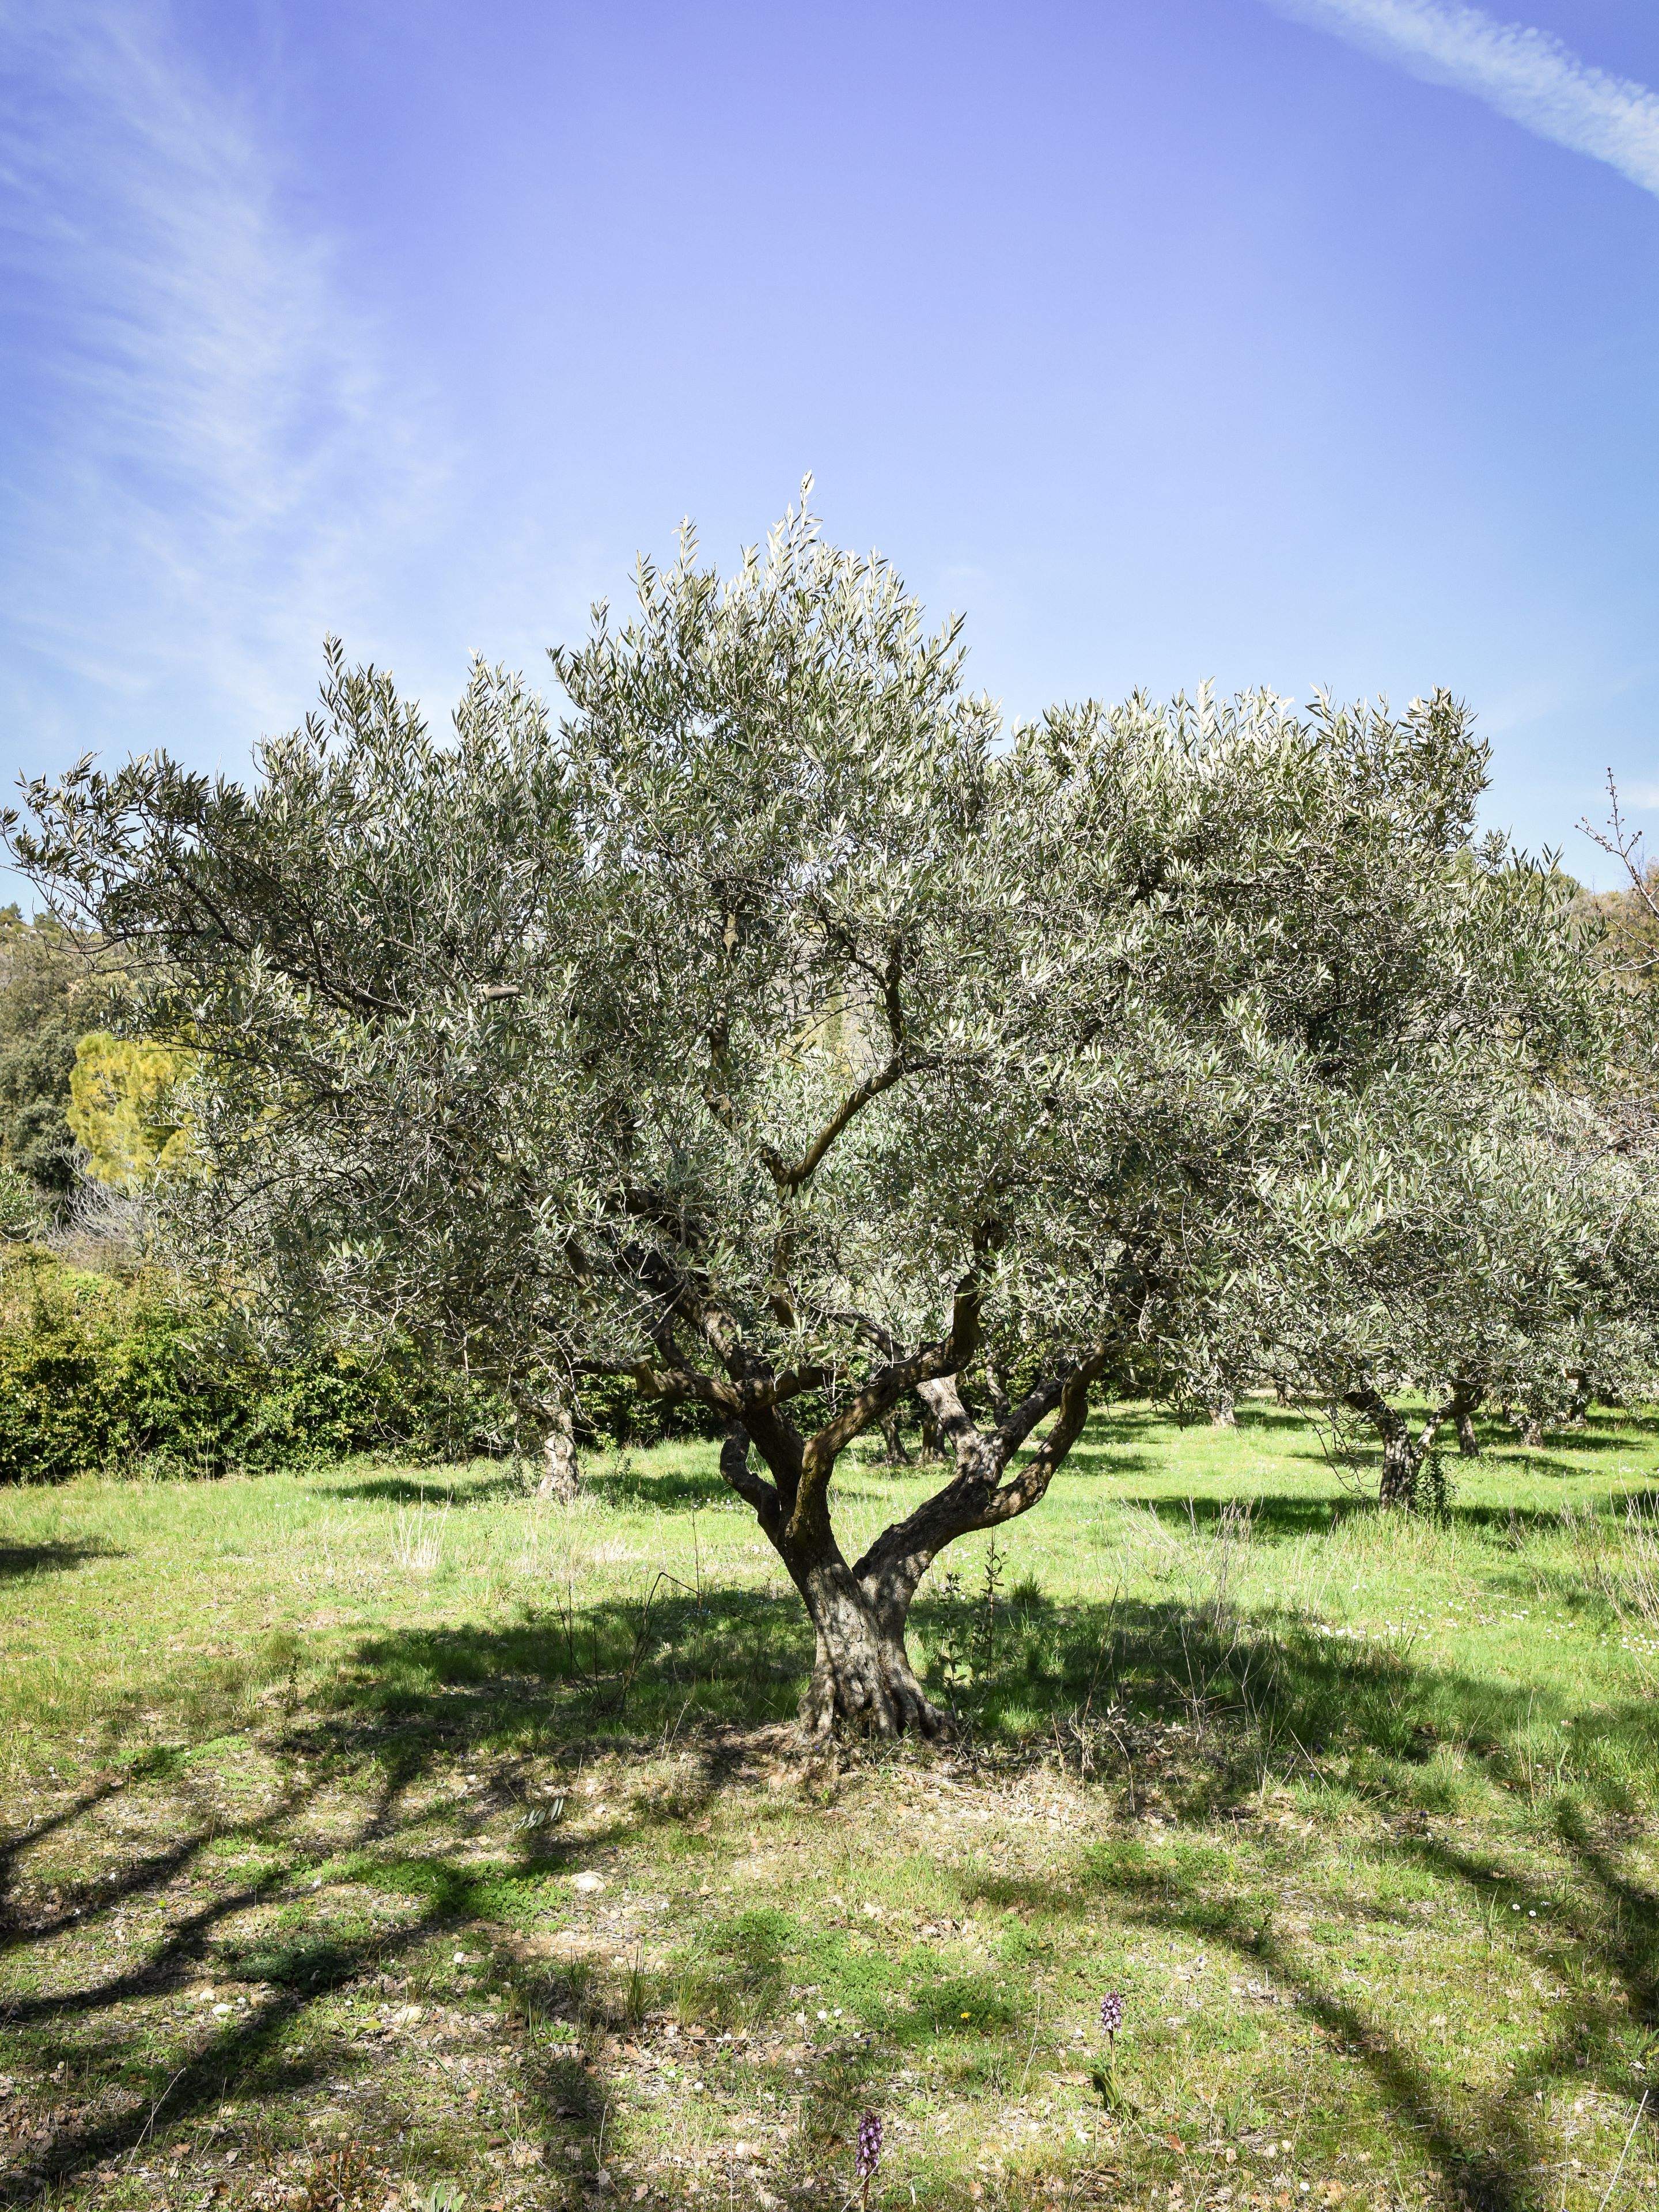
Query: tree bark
x=1403, y=1453
x=1466, y=1392
x=861, y=1673
x=561, y=1468
x=892, y=1437
x=1399, y=1484
x=1222, y=1415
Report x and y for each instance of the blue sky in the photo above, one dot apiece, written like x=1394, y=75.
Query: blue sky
x=1293, y=342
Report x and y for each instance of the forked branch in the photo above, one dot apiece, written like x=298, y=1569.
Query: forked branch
x=790, y=1176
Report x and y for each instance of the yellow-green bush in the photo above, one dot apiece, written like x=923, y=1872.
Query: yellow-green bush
x=123, y=1093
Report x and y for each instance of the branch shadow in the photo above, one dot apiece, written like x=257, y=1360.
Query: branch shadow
x=1279, y=1519
x=408, y=1703
x=1283, y=1686
x=439, y=1489
x=287, y=1975
x=626, y=1490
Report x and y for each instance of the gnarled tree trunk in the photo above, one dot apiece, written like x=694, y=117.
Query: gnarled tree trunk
x=1404, y=1454
x=1401, y=1456
x=892, y=1437
x=861, y=1673
x=1466, y=1392
x=1400, y=1460
x=561, y=1468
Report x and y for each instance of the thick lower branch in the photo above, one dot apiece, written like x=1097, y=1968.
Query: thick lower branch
x=862, y=1674
x=754, y=1489
x=674, y=1385
x=790, y=1176
x=879, y=1395
x=977, y=1497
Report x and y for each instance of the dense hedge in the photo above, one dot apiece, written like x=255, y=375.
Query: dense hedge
x=99, y=1372
x=613, y=1412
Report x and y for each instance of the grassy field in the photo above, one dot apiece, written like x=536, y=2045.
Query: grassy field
x=376, y=1839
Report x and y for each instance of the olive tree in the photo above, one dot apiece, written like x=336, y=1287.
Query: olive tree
x=774, y=1031
x=1507, y=1250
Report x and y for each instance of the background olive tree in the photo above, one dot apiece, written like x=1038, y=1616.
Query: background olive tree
x=1506, y=1252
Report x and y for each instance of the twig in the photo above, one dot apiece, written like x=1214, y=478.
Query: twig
x=161, y=2100
x=1306, y=1753
x=663, y=1576
x=1629, y=2139
x=1036, y=2027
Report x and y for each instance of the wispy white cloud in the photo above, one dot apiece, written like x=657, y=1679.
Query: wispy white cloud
x=207, y=445
x=1525, y=74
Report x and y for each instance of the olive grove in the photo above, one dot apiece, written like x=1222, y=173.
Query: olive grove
x=776, y=1031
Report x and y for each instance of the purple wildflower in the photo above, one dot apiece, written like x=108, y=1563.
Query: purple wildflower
x=869, y=2154
x=1111, y=2014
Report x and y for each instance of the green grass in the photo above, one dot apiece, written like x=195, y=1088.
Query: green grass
x=371, y=1835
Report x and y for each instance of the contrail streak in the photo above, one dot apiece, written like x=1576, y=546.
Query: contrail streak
x=1523, y=73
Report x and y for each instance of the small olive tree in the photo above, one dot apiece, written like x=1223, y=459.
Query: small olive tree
x=775, y=1033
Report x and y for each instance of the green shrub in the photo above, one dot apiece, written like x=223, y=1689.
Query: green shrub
x=612, y=1410
x=99, y=1373
x=22, y=1210
x=46, y=1000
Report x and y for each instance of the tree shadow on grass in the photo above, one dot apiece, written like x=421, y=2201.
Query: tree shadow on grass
x=1161, y=1700
x=1240, y=1695
x=627, y=1489
x=1280, y=1700
x=1278, y=1518
x=1124, y=1421
x=439, y=1488
x=613, y=1671
x=18, y=1561
x=1196, y=1710
x=1584, y=1443
x=125, y=2093
x=1283, y=1520
x=1530, y=1461
x=1103, y=1457
x=1489, y=2151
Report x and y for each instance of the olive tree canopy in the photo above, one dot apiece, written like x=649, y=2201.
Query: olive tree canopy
x=776, y=1032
